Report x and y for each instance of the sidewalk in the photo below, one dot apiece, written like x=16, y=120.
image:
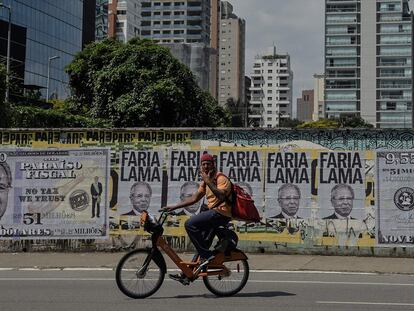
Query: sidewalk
x=256, y=262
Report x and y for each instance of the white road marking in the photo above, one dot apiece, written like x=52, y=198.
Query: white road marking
x=175, y=270
x=328, y=282
x=314, y=272
x=303, y=272
x=249, y=281
x=178, y=270
x=88, y=269
x=366, y=303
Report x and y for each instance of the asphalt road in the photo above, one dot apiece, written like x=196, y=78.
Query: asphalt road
x=89, y=289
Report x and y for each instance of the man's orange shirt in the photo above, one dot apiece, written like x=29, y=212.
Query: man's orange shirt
x=223, y=183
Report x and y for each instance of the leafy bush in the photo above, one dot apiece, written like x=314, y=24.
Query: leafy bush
x=31, y=117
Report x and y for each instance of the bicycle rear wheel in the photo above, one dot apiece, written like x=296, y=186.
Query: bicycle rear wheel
x=138, y=275
x=231, y=284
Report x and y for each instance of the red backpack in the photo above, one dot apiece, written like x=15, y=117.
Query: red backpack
x=242, y=204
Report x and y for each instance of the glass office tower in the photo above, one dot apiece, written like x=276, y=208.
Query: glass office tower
x=368, y=61
x=52, y=28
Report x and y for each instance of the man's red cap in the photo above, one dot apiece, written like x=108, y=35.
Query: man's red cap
x=207, y=157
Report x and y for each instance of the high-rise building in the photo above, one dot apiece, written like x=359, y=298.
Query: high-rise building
x=124, y=19
x=184, y=21
x=231, y=58
x=214, y=45
x=318, y=97
x=305, y=106
x=45, y=35
x=88, y=21
x=183, y=26
x=368, y=61
x=196, y=57
x=271, y=89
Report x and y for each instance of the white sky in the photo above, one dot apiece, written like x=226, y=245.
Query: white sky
x=296, y=27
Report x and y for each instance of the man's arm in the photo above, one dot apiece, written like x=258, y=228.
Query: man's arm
x=219, y=193
x=190, y=201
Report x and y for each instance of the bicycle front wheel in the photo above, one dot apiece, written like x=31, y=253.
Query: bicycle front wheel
x=140, y=274
x=230, y=284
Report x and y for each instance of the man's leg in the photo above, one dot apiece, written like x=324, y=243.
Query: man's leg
x=196, y=227
x=98, y=209
x=93, y=207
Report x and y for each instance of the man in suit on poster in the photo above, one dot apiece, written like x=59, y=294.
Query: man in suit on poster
x=186, y=191
x=96, y=192
x=288, y=199
x=140, y=196
x=342, y=199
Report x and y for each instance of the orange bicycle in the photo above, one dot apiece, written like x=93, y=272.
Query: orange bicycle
x=140, y=273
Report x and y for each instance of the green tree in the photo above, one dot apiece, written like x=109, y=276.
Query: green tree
x=322, y=123
x=34, y=117
x=354, y=122
x=236, y=111
x=350, y=121
x=290, y=123
x=139, y=84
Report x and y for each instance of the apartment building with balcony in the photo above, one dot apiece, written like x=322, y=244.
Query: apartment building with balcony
x=123, y=16
x=368, y=61
x=270, y=90
x=184, y=27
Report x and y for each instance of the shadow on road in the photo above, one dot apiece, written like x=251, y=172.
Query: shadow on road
x=265, y=294
x=268, y=294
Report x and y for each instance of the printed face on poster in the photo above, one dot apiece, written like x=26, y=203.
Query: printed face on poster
x=288, y=185
x=140, y=182
x=184, y=179
x=341, y=185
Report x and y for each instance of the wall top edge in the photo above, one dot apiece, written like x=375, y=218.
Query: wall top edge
x=248, y=129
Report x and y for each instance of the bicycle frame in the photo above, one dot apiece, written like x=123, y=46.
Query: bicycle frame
x=189, y=268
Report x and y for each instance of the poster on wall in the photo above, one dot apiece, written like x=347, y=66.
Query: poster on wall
x=341, y=185
x=52, y=194
x=140, y=182
x=246, y=169
x=184, y=180
x=288, y=185
x=395, y=197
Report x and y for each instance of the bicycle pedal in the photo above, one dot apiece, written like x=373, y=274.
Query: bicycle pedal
x=182, y=279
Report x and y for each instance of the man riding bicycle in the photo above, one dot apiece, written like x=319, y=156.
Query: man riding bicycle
x=217, y=188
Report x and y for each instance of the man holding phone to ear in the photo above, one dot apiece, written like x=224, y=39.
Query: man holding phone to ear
x=217, y=189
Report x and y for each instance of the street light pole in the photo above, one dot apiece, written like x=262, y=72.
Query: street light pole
x=8, y=52
x=48, y=76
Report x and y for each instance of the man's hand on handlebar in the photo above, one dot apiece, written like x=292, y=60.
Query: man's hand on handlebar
x=168, y=209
